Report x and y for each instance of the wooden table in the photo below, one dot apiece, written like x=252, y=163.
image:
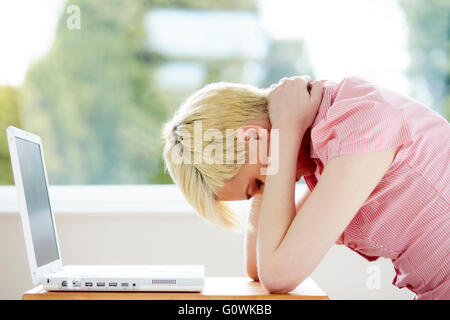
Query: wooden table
x=224, y=288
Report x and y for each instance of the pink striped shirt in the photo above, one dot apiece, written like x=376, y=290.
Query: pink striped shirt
x=407, y=216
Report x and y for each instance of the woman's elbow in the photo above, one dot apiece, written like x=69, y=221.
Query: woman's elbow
x=278, y=282
x=277, y=287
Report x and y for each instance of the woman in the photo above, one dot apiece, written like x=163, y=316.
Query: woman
x=375, y=163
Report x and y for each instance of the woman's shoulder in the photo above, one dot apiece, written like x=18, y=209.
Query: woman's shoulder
x=357, y=116
x=357, y=99
x=351, y=88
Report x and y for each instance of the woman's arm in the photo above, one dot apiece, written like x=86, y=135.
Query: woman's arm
x=250, y=240
x=289, y=248
x=289, y=253
x=251, y=235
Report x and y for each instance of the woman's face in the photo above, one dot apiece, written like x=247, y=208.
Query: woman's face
x=249, y=181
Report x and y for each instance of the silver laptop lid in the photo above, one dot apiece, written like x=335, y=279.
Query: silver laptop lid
x=34, y=203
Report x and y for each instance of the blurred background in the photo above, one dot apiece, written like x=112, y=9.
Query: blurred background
x=97, y=79
x=98, y=92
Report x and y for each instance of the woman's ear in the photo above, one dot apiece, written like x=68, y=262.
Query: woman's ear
x=257, y=139
x=251, y=134
x=254, y=132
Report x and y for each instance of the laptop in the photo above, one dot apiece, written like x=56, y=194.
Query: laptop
x=42, y=245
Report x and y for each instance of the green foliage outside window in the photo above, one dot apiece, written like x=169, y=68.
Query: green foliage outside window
x=96, y=100
x=9, y=116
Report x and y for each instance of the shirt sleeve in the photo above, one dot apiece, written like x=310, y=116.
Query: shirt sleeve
x=361, y=118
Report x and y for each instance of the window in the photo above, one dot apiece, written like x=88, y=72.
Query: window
x=97, y=80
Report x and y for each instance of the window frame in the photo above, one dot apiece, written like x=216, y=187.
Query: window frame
x=153, y=200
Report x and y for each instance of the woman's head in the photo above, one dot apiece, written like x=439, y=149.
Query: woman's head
x=215, y=113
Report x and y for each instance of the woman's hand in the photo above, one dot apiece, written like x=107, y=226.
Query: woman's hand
x=290, y=103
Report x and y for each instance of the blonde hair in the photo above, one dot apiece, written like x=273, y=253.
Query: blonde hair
x=220, y=106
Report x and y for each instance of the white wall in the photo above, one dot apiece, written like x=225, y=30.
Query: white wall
x=148, y=239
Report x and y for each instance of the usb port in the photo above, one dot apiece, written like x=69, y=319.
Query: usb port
x=88, y=284
x=100, y=284
x=76, y=283
x=113, y=284
x=124, y=284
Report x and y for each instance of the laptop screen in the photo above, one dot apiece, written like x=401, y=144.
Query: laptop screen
x=38, y=203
